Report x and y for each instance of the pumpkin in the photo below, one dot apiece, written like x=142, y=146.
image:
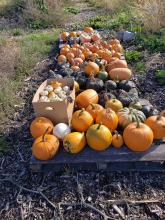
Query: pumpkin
x=86, y=97
x=66, y=46
x=157, y=124
x=85, y=38
x=45, y=147
x=95, y=37
x=117, y=48
x=117, y=140
x=39, y=126
x=126, y=85
x=75, y=68
x=114, y=104
x=99, y=137
x=64, y=36
x=70, y=56
x=94, y=109
x=77, y=61
x=88, y=29
x=87, y=54
x=64, y=51
x=120, y=73
x=127, y=97
x=110, y=85
x=81, y=120
x=91, y=68
x=138, y=136
x=116, y=55
x=108, y=118
x=129, y=115
x=149, y=110
x=135, y=105
x=103, y=75
x=114, y=41
x=111, y=60
x=73, y=34
x=74, y=142
x=60, y=130
x=116, y=64
x=94, y=83
x=104, y=96
x=61, y=59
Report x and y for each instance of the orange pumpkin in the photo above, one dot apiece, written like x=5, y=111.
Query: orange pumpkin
x=79, y=33
x=77, y=61
x=76, y=45
x=117, y=54
x=117, y=48
x=120, y=73
x=117, y=140
x=87, y=54
x=81, y=56
x=95, y=37
x=91, y=68
x=157, y=124
x=94, y=109
x=85, y=38
x=99, y=137
x=81, y=120
x=45, y=147
x=73, y=34
x=74, y=142
x=106, y=55
x=66, y=46
x=61, y=59
x=114, y=104
x=75, y=68
x=108, y=118
x=70, y=56
x=116, y=64
x=86, y=97
x=39, y=126
x=64, y=36
x=88, y=29
x=114, y=41
x=64, y=51
x=138, y=136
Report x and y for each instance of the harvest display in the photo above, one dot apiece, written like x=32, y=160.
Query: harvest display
x=107, y=110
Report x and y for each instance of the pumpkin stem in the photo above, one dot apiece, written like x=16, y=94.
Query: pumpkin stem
x=99, y=126
x=137, y=120
x=92, y=105
x=160, y=115
x=117, y=134
x=81, y=112
x=43, y=136
x=106, y=98
x=92, y=77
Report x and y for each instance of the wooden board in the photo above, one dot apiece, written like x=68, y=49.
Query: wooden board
x=89, y=159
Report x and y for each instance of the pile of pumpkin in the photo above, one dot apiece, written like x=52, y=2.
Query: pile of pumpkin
x=107, y=108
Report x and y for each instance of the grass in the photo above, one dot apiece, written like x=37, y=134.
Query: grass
x=132, y=56
x=32, y=48
x=72, y=10
x=160, y=76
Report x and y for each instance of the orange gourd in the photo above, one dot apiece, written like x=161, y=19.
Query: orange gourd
x=94, y=109
x=45, y=147
x=108, y=118
x=86, y=97
x=99, y=137
x=116, y=64
x=74, y=142
x=117, y=140
x=40, y=125
x=138, y=136
x=120, y=74
x=91, y=68
x=81, y=120
x=157, y=124
x=88, y=29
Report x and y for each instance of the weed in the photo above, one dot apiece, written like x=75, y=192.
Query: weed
x=140, y=67
x=160, y=76
x=132, y=56
x=72, y=10
x=17, y=32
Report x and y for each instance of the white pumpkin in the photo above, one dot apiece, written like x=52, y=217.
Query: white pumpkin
x=60, y=130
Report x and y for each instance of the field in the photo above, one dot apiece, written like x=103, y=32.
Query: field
x=29, y=32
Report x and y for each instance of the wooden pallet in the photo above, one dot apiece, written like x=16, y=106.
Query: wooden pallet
x=110, y=160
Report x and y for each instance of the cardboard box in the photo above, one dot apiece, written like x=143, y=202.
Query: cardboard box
x=58, y=111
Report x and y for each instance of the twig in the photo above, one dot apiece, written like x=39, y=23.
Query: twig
x=86, y=205
x=132, y=202
x=116, y=208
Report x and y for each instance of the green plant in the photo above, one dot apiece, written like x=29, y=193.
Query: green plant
x=17, y=32
x=132, y=56
x=4, y=146
x=140, y=67
x=72, y=10
x=160, y=76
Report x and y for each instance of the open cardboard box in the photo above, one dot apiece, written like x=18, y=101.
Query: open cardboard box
x=58, y=111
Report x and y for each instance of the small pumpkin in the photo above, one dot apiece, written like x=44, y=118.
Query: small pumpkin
x=149, y=110
x=129, y=115
x=86, y=97
x=70, y=56
x=45, y=147
x=76, y=85
x=108, y=118
x=39, y=126
x=60, y=130
x=135, y=105
x=120, y=73
x=88, y=29
x=104, y=96
x=157, y=124
x=94, y=109
x=127, y=97
x=103, y=75
x=95, y=37
x=91, y=68
x=64, y=36
x=138, y=136
x=114, y=104
x=126, y=85
x=99, y=137
x=81, y=79
x=110, y=85
x=117, y=140
x=94, y=83
x=61, y=59
x=81, y=120
x=116, y=64
x=74, y=142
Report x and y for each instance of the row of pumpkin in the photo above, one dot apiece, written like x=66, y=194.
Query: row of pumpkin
x=95, y=64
